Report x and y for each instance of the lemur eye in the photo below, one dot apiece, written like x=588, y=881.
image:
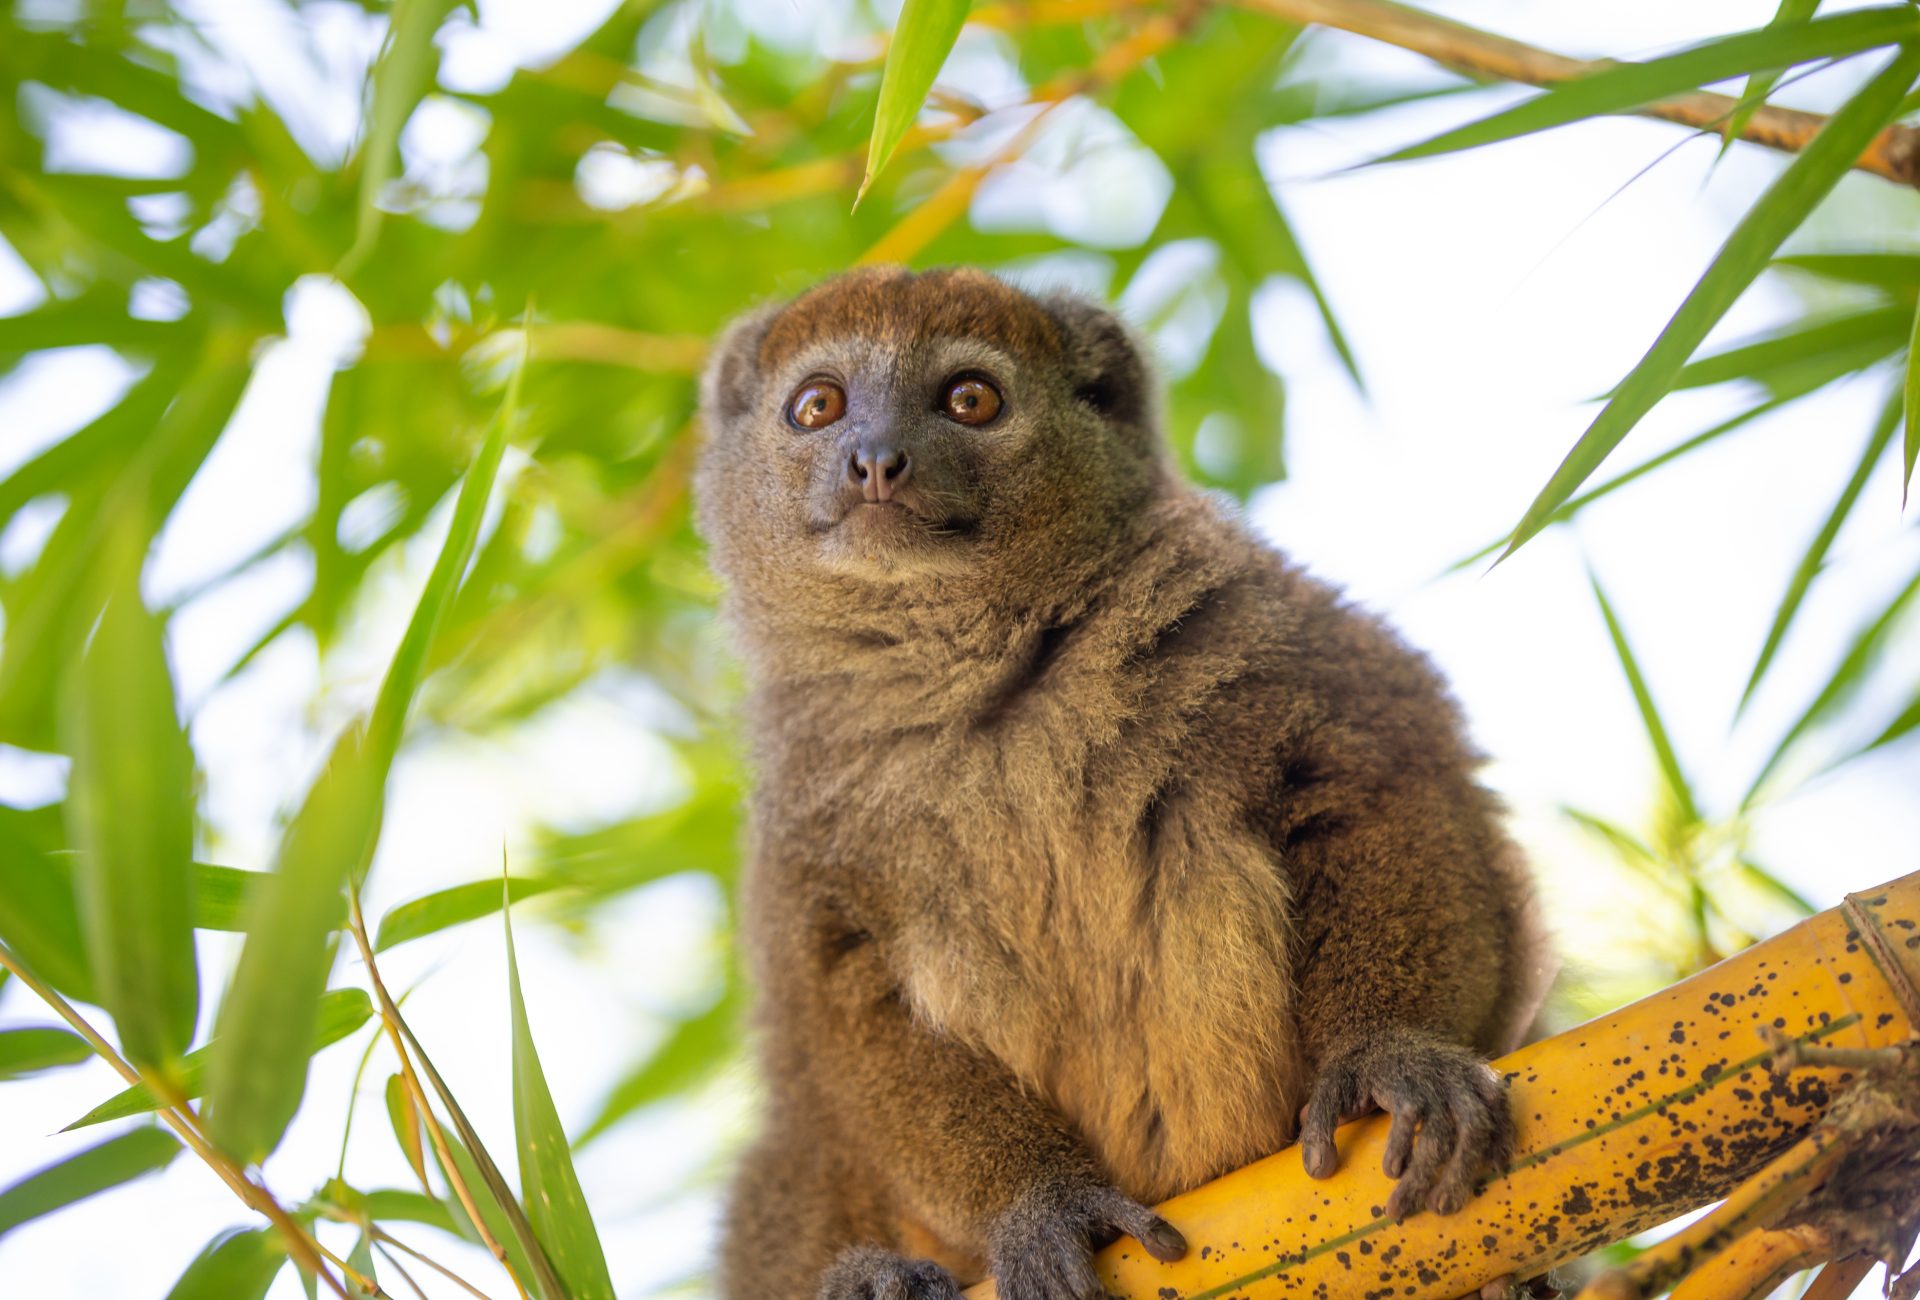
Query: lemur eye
x=818, y=403
x=970, y=400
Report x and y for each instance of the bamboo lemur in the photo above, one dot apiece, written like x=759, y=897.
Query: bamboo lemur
x=1095, y=850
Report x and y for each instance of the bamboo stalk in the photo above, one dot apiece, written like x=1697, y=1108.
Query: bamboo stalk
x=1894, y=153
x=1622, y=1124
x=1752, y=1267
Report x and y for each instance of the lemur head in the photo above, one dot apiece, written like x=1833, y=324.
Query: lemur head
x=941, y=429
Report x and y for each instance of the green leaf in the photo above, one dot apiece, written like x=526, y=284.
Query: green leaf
x=239, y=1264
x=1862, y=653
x=449, y=907
x=361, y=1260
x=1791, y=13
x=487, y=1196
x=556, y=1207
x=1897, y=273
x=1816, y=553
x=115, y=1161
x=405, y=1118
x=38, y=919
x=401, y=78
x=28, y=1051
x=1624, y=87
x=1770, y=220
x=220, y=896
x=258, y=1070
x=130, y=815
x=1676, y=782
x=1784, y=359
x=1911, y=450
x=921, y=42
x=398, y=1206
x=1573, y=507
x=694, y=1049
x=341, y=1012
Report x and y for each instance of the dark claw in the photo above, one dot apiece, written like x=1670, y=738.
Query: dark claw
x=870, y=1273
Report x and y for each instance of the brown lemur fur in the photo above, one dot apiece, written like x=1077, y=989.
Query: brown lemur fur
x=1095, y=849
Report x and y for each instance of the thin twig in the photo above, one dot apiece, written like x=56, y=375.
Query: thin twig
x=179, y=1115
x=1894, y=153
x=388, y=1239
x=394, y=1263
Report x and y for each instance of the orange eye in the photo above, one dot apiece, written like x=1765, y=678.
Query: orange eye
x=970, y=400
x=818, y=403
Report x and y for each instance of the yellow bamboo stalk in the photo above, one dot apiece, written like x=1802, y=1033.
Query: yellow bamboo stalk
x=1753, y=1266
x=1622, y=1124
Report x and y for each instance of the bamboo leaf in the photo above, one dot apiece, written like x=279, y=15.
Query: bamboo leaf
x=1782, y=359
x=115, y=1161
x=1624, y=87
x=1676, y=781
x=438, y=911
x=258, y=1070
x=1816, y=553
x=399, y=1206
x=556, y=1206
x=1897, y=273
x=1910, y=451
x=342, y=1011
x=1772, y=218
x=406, y=1124
x=130, y=813
x=400, y=80
x=1862, y=653
x=501, y=1226
x=239, y=1264
x=361, y=1259
x=696, y=1047
x=1791, y=13
x=38, y=919
x=31, y=1050
x=921, y=42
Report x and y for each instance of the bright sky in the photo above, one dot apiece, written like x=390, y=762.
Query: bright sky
x=1488, y=296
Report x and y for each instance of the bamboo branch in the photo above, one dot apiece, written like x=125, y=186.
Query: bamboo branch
x=181, y=1118
x=1894, y=153
x=1624, y=1123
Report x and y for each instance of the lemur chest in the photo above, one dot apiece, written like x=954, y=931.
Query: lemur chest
x=1113, y=936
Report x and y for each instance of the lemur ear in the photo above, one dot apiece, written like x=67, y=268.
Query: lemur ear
x=728, y=384
x=1109, y=368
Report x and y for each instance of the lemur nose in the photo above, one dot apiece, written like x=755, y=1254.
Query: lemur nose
x=878, y=467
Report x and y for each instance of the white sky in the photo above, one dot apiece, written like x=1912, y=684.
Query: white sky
x=1487, y=299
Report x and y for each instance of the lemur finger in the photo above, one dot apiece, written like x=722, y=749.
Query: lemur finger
x=1334, y=1095
x=1161, y=1239
x=1431, y=1149
x=1399, y=1143
x=1477, y=1134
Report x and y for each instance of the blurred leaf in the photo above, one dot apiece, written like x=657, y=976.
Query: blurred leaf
x=401, y=79
x=1816, y=553
x=1863, y=652
x=556, y=1206
x=1774, y=216
x=399, y=1206
x=1911, y=450
x=341, y=1011
x=922, y=39
x=258, y=1071
x=38, y=919
x=130, y=813
x=1897, y=273
x=361, y=1260
x=28, y=1051
x=1624, y=87
x=115, y=1161
x=1791, y=13
x=1628, y=849
x=406, y=1124
x=1676, y=782
x=1778, y=888
x=1899, y=729
x=221, y=895
x=694, y=1049
x=239, y=1264
x=449, y=907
